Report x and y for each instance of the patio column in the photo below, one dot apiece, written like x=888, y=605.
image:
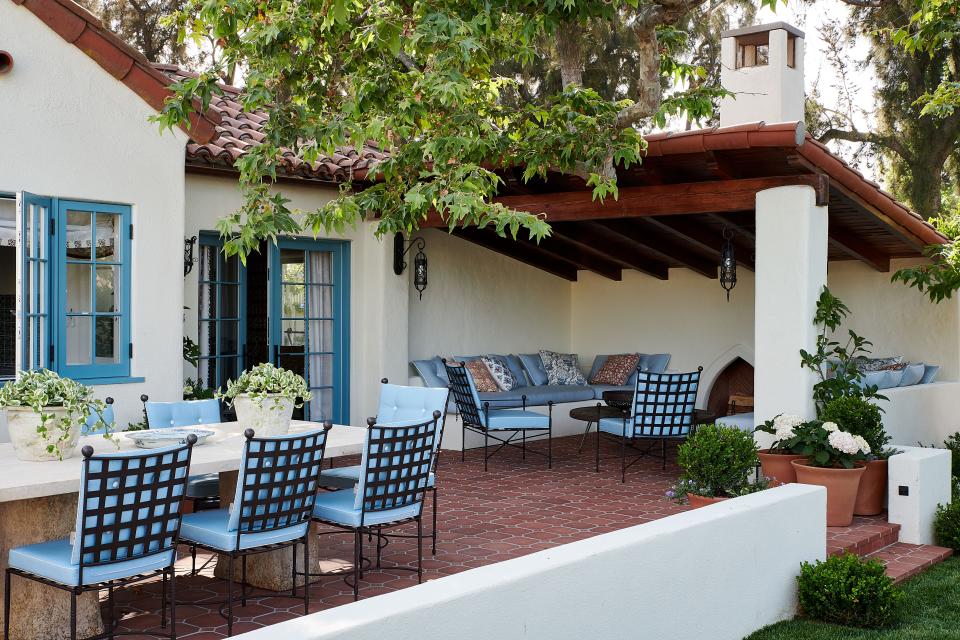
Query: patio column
x=791, y=271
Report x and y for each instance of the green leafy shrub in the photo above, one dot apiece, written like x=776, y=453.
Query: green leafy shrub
x=953, y=443
x=946, y=525
x=849, y=591
x=717, y=461
x=860, y=417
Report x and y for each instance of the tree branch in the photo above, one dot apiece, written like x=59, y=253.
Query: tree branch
x=867, y=137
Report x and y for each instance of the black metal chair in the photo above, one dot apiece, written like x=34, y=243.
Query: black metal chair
x=276, y=487
x=396, y=469
x=129, y=516
x=486, y=420
x=663, y=409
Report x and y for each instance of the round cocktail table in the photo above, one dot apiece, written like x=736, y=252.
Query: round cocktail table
x=592, y=415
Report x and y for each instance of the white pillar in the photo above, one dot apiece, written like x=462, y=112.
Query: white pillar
x=919, y=480
x=791, y=271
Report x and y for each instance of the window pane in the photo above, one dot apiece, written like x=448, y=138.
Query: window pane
x=321, y=406
x=78, y=288
x=321, y=371
x=108, y=237
x=208, y=338
x=208, y=301
x=291, y=265
x=293, y=302
x=79, y=339
x=229, y=369
x=229, y=301
x=321, y=335
x=108, y=282
x=79, y=235
x=321, y=302
x=229, y=336
x=207, y=372
x=108, y=340
x=208, y=263
x=292, y=333
x=231, y=269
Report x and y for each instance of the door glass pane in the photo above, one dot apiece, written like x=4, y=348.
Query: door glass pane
x=79, y=339
x=79, y=235
x=229, y=337
x=321, y=335
x=321, y=406
x=321, y=370
x=108, y=237
x=208, y=337
x=229, y=301
x=8, y=270
x=292, y=333
x=231, y=269
x=108, y=340
x=108, y=282
x=321, y=302
x=206, y=371
x=78, y=288
x=229, y=370
x=293, y=301
x=291, y=265
x=208, y=263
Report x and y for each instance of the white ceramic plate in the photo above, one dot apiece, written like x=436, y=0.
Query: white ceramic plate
x=154, y=438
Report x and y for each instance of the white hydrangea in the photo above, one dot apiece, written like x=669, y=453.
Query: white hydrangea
x=845, y=442
x=862, y=443
x=830, y=426
x=785, y=424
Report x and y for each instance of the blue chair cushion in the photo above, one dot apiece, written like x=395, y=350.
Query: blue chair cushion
x=205, y=486
x=652, y=362
x=353, y=473
x=886, y=379
x=429, y=373
x=210, y=528
x=52, y=560
x=912, y=375
x=185, y=413
x=614, y=426
x=533, y=365
x=513, y=419
x=405, y=404
x=339, y=507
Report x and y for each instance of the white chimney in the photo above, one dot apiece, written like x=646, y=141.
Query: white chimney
x=763, y=67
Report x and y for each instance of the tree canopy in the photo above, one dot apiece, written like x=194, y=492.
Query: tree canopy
x=442, y=87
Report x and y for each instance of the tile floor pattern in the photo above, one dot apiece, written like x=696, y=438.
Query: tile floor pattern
x=516, y=508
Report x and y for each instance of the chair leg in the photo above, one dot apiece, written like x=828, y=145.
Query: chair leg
x=306, y=572
x=583, y=438
x=379, y=548
x=163, y=600
x=434, y=531
x=243, y=581
x=293, y=589
x=73, y=614
x=419, y=550
x=598, y=449
x=550, y=446
x=361, y=554
x=113, y=612
x=193, y=560
x=173, y=603
x=6, y=605
x=463, y=441
x=357, y=541
x=230, y=595
x=623, y=460
x=485, y=440
x=523, y=440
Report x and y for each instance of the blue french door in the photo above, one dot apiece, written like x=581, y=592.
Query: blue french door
x=309, y=320
x=34, y=277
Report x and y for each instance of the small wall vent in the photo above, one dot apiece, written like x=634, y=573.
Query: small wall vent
x=6, y=62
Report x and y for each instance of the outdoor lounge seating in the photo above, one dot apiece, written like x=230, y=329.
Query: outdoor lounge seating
x=271, y=510
x=513, y=422
x=128, y=518
x=663, y=406
x=402, y=405
x=396, y=468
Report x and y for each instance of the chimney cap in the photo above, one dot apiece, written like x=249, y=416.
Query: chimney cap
x=761, y=28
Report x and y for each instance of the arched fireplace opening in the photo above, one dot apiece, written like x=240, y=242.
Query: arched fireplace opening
x=732, y=390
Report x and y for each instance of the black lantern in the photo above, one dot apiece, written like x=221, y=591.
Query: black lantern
x=400, y=249
x=728, y=264
x=188, y=259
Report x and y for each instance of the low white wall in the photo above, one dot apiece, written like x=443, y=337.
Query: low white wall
x=922, y=414
x=700, y=574
x=919, y=481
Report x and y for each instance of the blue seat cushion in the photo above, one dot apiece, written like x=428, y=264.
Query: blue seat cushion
x=205, y=486
x=513, y=419
x=338, y=507
x=210, y=528
x=51, y=560
x=614, y=426
x=353, y=473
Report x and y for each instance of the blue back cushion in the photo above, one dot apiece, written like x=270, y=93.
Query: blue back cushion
x=533, y=365
x=399, y=404
x=428, y=371
x=161, y=415
x=912, y=374
x=930, y=372
x=93, y=426
x=653, y=362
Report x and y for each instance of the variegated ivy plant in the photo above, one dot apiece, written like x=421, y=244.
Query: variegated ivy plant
x=42, y=389
x=267, y=381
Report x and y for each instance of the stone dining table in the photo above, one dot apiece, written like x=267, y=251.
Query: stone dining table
x=38, y=502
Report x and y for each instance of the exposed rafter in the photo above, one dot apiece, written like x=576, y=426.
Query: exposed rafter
x=593, y=236
x=653, y=239
x=524, y=252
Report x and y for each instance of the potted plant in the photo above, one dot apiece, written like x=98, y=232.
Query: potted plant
x=775, y=460
x=717, y=463
x=856, y=415
x=45, y=414
x=835, y=460
x=265, y=397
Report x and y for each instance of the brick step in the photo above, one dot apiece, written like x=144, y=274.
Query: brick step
x=866, y=535
x=905, y=560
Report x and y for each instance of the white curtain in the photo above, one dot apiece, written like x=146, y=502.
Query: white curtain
x=320, y=333
x=206, y=369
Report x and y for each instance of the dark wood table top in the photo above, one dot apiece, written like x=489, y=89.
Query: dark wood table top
x=594, y=413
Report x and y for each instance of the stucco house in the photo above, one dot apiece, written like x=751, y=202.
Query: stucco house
x=97, y=209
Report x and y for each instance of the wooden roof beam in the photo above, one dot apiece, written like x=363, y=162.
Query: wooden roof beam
x=855, y=247
x=696, y=234
x=649, y=237
x=584, y=258
x=521, y=251
x=594, y=237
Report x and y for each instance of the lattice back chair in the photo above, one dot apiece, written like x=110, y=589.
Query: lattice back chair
x=129, y=515
x=465, y=395
x=274, y=499
x=396, y=466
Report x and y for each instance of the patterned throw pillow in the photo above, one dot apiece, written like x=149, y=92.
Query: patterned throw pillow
x=500, y=370
x=617, y=369
x=562, y=368
x=482, y=379
x=865, y=365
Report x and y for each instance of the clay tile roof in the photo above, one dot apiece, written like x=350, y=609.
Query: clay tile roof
x=239, y=131
x=84, y=30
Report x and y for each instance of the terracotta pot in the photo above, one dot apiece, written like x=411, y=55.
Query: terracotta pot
x=841, y=484
x=701, y=501
x=777, y=467
x=871, y=498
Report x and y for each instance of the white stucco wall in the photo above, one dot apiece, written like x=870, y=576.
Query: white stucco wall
x=378, y=305
x=478, y=301
x=73, y=131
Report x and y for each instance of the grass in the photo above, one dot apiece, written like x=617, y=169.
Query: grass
x=931, y=611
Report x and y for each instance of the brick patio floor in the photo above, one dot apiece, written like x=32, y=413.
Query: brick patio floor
x=516, y=508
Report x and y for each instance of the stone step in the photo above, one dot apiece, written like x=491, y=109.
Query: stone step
x=866, y=535
x=905, y=560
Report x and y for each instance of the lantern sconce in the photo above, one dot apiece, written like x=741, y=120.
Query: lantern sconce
x=188, y=259
x=728, y=263
x=400, y=249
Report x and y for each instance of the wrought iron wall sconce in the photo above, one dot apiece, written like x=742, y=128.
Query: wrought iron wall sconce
x=188, y=259
x=400, y=249
x=728, y=263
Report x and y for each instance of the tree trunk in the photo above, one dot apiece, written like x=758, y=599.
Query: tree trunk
x=568, y=50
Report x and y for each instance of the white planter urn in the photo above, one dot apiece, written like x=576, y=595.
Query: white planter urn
x=271, y=418
x=22, y=423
